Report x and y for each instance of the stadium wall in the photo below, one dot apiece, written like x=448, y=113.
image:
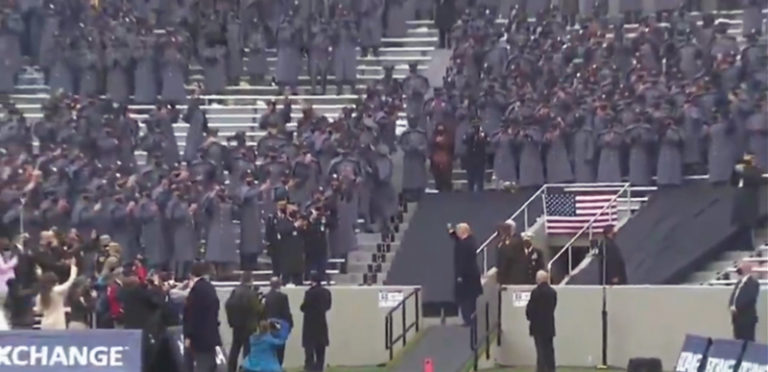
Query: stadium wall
x=643, y=321
x=355, y=325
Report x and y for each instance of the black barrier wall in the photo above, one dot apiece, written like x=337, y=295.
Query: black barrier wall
x=426, y=255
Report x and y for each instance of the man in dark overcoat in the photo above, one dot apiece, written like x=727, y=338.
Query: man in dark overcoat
x=746, y=206
x=540, y=312
x=467, y=286
x=314, y=335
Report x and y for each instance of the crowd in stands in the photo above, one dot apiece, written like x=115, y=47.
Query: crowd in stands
x=90, y=226
x=142, y=51
x=602, y=101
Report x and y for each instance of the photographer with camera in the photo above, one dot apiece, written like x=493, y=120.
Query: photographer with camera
x=270, y=336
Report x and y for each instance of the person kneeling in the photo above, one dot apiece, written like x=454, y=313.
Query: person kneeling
x=262, y=357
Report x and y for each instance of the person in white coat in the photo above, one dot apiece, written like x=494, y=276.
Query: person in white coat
x=50, y=301
x=7, y=266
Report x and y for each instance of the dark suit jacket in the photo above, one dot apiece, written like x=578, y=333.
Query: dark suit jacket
x=746, y=204
x=317, y=301
x=201, y=317
x=744, y=299
x=466, y=273
x=541, y=311
x=276, y=305
x=139, y=304
x=511, y=264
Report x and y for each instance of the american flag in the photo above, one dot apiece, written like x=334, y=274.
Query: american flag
x=569, y=212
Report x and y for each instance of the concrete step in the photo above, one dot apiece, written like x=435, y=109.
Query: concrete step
x=734, y=256
x=359, y=278
x=354, y=267
x=719, y=266
x=701, y=277
x=364, y=257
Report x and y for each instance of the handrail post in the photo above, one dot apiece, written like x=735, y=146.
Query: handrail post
x=391, y=341
x=473, y=339
x=525, y=218
x=386, y=332
x=405, y=329
x=499, y=317
x=485, y=260
x=416, y=309
x=544, y=208
x=487, y=331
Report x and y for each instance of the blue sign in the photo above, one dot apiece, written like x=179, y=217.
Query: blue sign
x=755, y=358
x=693, y=356
x=724, y=356
x=82, y=351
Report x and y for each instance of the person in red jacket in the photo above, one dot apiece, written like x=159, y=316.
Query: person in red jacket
x=115, y=305
x=139, y=269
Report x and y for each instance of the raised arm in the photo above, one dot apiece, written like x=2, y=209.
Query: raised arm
x=72, y=275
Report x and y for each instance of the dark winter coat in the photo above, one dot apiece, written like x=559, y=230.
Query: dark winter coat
x=317, y=301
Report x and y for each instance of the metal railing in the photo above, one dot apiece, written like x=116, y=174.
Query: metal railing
x=529, y=218
x=610, y=207
x=488, y=327
x=541, y=193
x=389, y=334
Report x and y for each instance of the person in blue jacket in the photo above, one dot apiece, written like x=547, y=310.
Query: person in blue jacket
x=272, y=333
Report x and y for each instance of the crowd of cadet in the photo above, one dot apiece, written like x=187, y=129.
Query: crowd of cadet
x=594, y=99
x=144, y=51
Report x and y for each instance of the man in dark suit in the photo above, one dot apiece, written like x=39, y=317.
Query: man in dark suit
x=511, y=260
x=748, y=178
x=743, y=304
x=534, y=259
x=276, y=306
x=244, y=312
x=467, y=275
x=314, y=336
x=201, y=320
x=541, y=315
x=615, y=270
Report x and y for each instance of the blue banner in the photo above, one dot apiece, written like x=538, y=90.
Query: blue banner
x=724, y=355
x=693, y=355
x=81, y=351
x=755, y=358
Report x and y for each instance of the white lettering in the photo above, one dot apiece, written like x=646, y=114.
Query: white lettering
x=688, y=362
x=78, y=356
x=38, y=356
x=116, y=357
x=99, y=356
x=72, y=356
x=58, y=356
x=4, y=356
x=720, y=365
x=220, y=358
x=753, y=367
x=17, y=360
